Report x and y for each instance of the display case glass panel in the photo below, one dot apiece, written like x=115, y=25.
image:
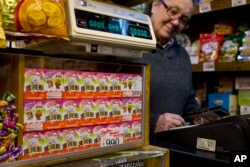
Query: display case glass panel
x=71, y=107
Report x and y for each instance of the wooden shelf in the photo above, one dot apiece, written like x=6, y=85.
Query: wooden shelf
x=204, y=23
x=219, y=5
x=127, y=3
x=233, y=66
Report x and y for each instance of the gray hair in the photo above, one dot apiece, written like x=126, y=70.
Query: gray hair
x=148, y=6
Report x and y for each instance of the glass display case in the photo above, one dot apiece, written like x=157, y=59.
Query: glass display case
x=146, y=156
x=76, y=111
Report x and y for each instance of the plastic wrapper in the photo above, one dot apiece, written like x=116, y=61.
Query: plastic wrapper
x=183, y=40
x=210, y=47
x=9, y=129
x=2, y=34
x=195, y=47
x=224, y=28
x=230, y=48
x=245, y=48
x=33, y=17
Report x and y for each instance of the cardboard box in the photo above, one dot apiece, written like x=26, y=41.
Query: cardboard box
x=244, y=97
x=225, y=100
x=226, y=85
x=242, y=83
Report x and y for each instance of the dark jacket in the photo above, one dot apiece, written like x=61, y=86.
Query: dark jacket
x=171, y=88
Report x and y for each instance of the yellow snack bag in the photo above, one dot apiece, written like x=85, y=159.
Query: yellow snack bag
x=37, y=17
x=2, y=38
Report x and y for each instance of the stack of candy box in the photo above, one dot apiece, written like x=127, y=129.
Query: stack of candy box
x=66, y=110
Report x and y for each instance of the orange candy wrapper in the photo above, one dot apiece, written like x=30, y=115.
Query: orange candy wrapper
x=35, y=18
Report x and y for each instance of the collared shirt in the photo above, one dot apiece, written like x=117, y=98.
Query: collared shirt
x=170, y=42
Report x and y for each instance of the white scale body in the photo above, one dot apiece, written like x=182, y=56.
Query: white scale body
x=109, y=29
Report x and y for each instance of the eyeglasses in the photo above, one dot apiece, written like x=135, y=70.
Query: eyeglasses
x=174, y=13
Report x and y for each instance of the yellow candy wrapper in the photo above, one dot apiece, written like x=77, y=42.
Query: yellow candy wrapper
x=2, y=33
x=41, y=17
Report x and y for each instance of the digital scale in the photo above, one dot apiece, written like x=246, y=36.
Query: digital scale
x=97, y=28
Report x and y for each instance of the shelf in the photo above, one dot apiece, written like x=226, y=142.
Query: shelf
x=234, y=66
x=219, y=5
x=134, y=156
x=127, y=3
x=148, y=154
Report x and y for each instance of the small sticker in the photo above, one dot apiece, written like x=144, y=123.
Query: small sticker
x=208, y=66
x=205, y=7
x=111, y=140
x=238, y=2
x=206, y=144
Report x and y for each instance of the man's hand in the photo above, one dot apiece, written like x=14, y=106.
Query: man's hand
x=167, y=121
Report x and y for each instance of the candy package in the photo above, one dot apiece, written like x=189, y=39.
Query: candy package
x=2, y=34
x=210, y=47
x=9, y=129
x=183, y=40
x=245, y=48
x=33, y=17
x=224, y=28
x=230, y=48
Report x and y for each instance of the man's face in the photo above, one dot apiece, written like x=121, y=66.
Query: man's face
x=168, y=18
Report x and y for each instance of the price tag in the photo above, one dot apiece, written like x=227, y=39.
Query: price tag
x=208, y=66
x=205, y=7
x=127, y=118
x=34, y=126
x=206, y=144
x=127, y=94
x=111, y=140
x=238, y=2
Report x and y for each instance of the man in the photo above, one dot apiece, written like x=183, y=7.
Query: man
x=171, y=89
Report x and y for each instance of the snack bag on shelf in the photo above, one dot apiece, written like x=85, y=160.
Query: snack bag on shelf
x=210, y=46
x=241, y=28
x=245, y=49
x=230, y=48
x=34, y=18
x=193, y=51
x=224, y=28
x=183, y=40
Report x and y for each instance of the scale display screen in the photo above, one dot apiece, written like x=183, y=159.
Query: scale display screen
x=110, y=24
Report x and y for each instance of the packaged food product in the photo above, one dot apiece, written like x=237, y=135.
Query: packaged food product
x=245, y=48
x=2, y=34
x=230, y=48
x=9, y=129
x=183, y=40
x=223, y=28
x=43, y=17
x=210, y=46
x=196, y=47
